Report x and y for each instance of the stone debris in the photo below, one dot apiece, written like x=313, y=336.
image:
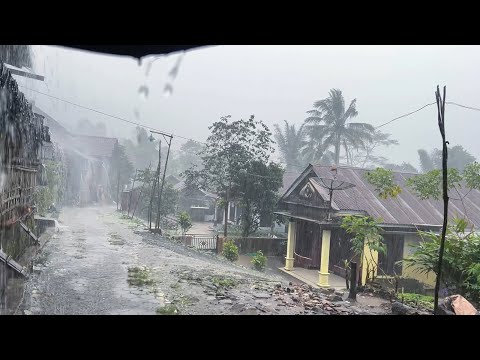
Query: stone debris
x=321, y=301
x=459, y=306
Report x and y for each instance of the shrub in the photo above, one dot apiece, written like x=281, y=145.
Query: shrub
x=185, y=222
x=259, y=261
x=230, y=250
x=417, y=300
x=460, y=271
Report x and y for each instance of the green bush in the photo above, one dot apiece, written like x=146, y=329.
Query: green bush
x=259, y=261
x=417, y=300
x=185, y=222
x=230, y=250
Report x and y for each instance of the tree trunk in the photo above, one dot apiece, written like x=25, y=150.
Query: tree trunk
x=226, y=219
x=337, y=151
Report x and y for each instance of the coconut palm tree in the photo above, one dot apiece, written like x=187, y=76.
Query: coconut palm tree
x=290, y=143
x=329, y=123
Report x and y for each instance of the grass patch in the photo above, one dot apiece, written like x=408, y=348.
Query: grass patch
x=223, y=282
x=139, y=277
x=167, y=310
x=134, y=221
x=116, y=239
x=417, y=300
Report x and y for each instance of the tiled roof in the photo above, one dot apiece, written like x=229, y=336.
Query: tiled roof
x=95, y=146
x=98, y=146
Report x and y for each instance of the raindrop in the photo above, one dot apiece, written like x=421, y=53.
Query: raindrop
x=168, y=90
x=3, y=180
x=143, y=92
x=136, y=113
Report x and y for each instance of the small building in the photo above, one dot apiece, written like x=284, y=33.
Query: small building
x=199, y=204
x=86, y=160
x=22, y=135
x=317, y=245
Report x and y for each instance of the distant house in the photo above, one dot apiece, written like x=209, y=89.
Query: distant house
x=317, y=243
x=86, y=158
x=199, y=204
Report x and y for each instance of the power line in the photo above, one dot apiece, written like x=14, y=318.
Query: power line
x=463, y=106
x=203, y=143
x=405, y=115
x=105, y=114
x=125, y=120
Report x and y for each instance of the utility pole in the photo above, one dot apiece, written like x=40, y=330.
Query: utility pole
x=157, y=222
x=155, y=180
x=441, y=125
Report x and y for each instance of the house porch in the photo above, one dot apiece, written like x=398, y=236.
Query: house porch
x=310, y=277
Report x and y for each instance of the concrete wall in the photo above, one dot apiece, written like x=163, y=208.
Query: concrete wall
x=427, y=279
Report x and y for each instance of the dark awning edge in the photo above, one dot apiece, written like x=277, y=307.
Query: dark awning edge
x=136, y=51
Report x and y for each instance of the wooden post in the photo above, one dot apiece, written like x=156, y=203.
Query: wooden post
x=152, y=195
x=353, y=281
x=157, y=223
x=441, y=125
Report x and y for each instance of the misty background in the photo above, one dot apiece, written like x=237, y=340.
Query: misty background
x=274, y=83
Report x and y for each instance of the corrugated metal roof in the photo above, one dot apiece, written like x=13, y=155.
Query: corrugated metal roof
x=406, y=209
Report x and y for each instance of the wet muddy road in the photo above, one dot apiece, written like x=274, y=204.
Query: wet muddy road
x=99, y=262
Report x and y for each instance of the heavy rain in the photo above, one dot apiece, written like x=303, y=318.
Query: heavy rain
x=239, y=180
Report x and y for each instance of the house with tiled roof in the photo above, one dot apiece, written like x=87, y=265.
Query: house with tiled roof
x=317, y=242
x=86, y=160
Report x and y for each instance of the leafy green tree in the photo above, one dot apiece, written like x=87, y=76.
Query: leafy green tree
x=461, y=259
x=143, y=152
x=429, y=185
x=121, y=170
x=403, y=167
x=458, y=158
x=329, y=122
x=230, y=149
x=384, y=183
x=363, y=156
x=258, y=190
x=366, y=231
x=188, y=156
x=169, y=202
x=290, y=142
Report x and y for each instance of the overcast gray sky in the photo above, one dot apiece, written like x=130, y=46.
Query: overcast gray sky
x=274, y=83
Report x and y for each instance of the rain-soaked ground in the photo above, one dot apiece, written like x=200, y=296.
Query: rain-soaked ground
x=100, y=263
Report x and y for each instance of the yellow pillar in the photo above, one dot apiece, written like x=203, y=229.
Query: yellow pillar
x=370, y=261
x=290, y=245
x=324, y=259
